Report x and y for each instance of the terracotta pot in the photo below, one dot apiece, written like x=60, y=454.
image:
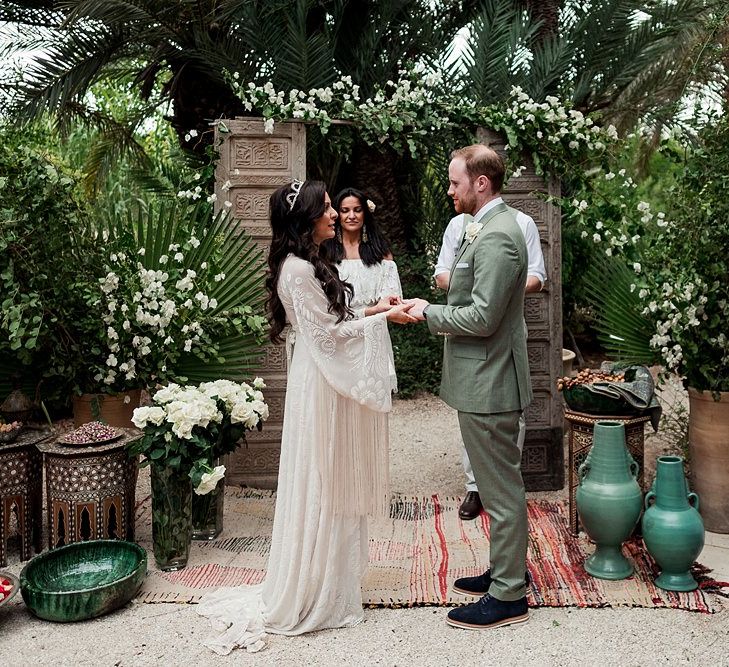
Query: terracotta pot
x=115, y=410
x=709, y=447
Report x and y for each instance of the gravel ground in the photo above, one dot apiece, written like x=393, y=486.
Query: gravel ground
x=424, y=459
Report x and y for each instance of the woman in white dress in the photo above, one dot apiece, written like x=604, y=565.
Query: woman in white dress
x=334, y=448
x=362, y=254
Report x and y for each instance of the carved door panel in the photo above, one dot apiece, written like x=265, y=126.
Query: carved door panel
x=543, y=456
x=256, y=164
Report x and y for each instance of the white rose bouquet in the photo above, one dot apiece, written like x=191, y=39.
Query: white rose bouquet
x=188, y=427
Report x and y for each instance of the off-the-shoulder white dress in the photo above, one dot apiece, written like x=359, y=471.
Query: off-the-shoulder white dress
x=333, y=472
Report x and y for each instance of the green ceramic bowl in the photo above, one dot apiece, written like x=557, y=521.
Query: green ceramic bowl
x=83, y=580
x=580, y=399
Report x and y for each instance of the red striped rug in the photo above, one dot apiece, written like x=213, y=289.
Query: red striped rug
x=416, y=554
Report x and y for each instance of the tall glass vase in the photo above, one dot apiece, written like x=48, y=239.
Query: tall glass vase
x=207, y=511
x=171, y=517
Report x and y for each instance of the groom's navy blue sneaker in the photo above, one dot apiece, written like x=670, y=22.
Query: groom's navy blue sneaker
x=479, y=585
x=489, y=612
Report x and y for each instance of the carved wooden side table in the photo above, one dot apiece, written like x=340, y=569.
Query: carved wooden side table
x=90, y=490
x=581, y=429
x=21, y=492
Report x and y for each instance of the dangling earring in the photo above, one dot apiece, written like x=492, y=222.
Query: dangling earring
x=339, y=235
x=364, y=233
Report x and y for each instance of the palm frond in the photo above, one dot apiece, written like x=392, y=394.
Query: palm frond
x=223, y=244
x=622, y=330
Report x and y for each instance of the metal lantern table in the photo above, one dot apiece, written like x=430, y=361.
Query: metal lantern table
x=90, y=490
x=21, y=491
x=580, y=432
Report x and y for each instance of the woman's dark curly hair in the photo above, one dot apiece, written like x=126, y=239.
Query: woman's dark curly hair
x=375, y=249
x=293, y=234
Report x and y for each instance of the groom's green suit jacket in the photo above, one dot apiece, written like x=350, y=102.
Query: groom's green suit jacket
x=485, y=364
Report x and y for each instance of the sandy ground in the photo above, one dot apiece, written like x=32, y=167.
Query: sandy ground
x=424, y=459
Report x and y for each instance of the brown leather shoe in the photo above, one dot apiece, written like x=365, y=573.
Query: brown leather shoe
x=471, y=506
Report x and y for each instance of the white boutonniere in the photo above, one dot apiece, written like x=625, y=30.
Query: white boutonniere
x=472, y=230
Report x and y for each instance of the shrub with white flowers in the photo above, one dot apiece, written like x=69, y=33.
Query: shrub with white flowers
x=678, y=257
x=154, y=316
x=188, y=427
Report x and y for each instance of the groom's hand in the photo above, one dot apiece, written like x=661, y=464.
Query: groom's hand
x=418, y=306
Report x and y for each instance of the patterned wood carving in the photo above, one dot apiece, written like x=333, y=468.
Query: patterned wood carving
x=21, y=494
x=90, y=491
x=543, y=315
x=255, y=164
x=580, y=433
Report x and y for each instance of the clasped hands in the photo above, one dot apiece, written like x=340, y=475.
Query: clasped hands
x=402, y=311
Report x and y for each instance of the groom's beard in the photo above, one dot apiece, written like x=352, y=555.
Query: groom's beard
x=467, y=203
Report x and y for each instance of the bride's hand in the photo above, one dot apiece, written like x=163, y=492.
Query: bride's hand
x=400, y=315
x=383, y=305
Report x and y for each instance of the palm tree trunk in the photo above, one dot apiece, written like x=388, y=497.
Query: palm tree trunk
x=547, y=13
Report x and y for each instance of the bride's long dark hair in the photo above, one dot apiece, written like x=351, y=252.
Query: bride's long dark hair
x=293, y=229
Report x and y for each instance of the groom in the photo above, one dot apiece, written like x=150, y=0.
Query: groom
x=486, y=376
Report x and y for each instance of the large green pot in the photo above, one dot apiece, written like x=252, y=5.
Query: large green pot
x=609, y=500
x=673, y=530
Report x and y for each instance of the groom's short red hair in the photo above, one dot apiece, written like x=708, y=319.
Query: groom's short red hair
x=482, y=161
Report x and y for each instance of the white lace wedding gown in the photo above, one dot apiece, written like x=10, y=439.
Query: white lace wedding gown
x=370, y=283
x=333, y=472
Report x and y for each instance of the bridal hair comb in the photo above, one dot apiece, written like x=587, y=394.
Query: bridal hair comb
x=295, y=189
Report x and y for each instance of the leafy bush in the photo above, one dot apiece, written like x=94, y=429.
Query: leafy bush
x=47, y=260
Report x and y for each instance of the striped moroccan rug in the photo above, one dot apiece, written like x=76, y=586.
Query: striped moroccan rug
x=415, y=556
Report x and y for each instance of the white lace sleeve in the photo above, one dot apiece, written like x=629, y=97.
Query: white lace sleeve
x=390, y=280
x=354, y=356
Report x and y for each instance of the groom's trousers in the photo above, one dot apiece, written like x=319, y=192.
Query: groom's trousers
x=491, y=443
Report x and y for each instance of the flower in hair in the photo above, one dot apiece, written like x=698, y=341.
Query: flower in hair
x=371, y=205
x=295, y=189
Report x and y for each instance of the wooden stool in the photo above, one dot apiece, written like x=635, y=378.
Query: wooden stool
x=90, y=490
x=21, y=491
x=581, y=429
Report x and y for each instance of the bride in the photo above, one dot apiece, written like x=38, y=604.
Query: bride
x=334, y=449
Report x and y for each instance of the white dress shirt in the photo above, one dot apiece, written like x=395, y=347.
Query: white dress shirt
x=454, y=233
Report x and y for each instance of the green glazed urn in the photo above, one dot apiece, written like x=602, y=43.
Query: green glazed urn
x=673, y=530
x=609, y=500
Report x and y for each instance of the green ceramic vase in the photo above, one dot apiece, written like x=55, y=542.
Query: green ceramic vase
x=673, y=530
x=171, y=517
x=609, y=500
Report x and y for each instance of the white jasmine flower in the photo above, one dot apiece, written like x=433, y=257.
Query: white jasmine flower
x=163, y=259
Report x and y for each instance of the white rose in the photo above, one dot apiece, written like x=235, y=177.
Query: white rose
x=140, y=416
x=243, y=413
x=209, y=480
x=156, y=415
x=261, y=408
x=167, y=394
x=472, y=230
